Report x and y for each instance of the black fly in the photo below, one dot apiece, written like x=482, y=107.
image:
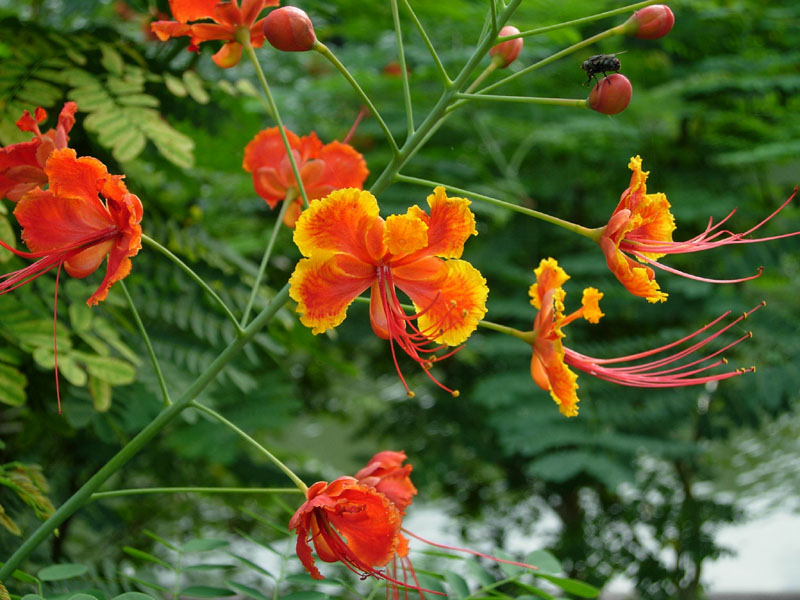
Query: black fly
x=600, y=63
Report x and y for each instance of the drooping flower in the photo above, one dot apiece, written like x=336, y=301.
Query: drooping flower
x=350, y=248
x=347, y=522
x=548, y=367
x=551, y=359
x=641, y=226
x=228, y=19
x=69, y=225
x=322, y=168
x=22, y=165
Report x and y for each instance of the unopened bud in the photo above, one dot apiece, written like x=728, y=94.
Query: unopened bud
x=611, y=95
x=507, y=52
x=651, y=22
x=289, y=29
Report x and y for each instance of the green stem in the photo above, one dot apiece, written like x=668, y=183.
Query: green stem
x=581, y=21
x=442, y=71
x=156, y=366
x=324, y=51
x=84, y=493
x=490, y=68
x=435, y=117
x=289, y=473
x=525, y=336
x=191, y=490
x=575, y=103
x=243, y=37
x=592, y=234
x=291, y=194
x=401, y=56
x=199, y=280
x=618, y=30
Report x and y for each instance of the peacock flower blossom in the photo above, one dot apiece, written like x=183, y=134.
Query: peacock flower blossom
x=358, y=522
x=674, y=368
x=322, y=168
x=548, y=367
x=229, y=19
x=386, y=473
x=350, y=248
x=641, y=226
x=22, y=165
x=69, y=225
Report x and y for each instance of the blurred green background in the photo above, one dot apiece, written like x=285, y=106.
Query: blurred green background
x=640, y=482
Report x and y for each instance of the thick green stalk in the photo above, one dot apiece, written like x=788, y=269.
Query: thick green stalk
x=84, y=493
x=156, y=366
x=243, y=37
x=437, y=113
x=199, y=280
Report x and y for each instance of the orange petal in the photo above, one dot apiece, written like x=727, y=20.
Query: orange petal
x=342, y=223
x=86, y=262
x=192, y=10
x=639, y=280
x=169, y=29
x=404, y=234
x=324, y=286
x=266, y=149
x=652, y=221
x=205, y=32
x=73, y=177
x=549, y=276
x=450, y=223
x=252, y=8
x=452, y=301
x=228, y=56
x=591, y=305
x=344, y=166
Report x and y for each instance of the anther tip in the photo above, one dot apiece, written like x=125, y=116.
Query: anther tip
x=724, y=361
x=455, y=393
x=411, y=394
x=750, y=334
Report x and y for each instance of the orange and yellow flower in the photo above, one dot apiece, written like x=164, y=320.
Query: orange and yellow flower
x=387, y=474
x=322, y=168
x=551, y=361
x=548, y=367
x=641, y=226
x=22, y=165
x=69, y=225
x=228, y=19
x=350, y=248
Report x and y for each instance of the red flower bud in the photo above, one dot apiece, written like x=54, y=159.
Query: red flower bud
x=611, y=95
x=651, y=22
x=289, y=29
x=507, y=52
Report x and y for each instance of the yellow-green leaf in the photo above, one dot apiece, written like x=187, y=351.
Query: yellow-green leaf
x=100, y=391
x=12, y=386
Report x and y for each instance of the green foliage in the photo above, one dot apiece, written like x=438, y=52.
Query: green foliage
x=30, y=486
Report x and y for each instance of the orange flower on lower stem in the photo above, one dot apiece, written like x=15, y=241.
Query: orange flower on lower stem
x=675, y=368
x=642, y=225
x=22, y=165
x=350, y=248
x=322, y=168
x=386, y=473
x=228, y=19
x=69, y=225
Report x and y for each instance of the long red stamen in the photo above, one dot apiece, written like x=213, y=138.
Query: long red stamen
x=361, y=114
x=652, y=373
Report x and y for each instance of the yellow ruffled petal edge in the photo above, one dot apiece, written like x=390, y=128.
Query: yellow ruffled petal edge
x=548, y=276
x=450, y=224
x=323, y=290
x=591, y=305
x=654, y=221
x=558, y=379
x=460, y=305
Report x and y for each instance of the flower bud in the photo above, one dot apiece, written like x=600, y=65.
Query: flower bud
x=611, y=95
x=651, y=22
x=507, y=52
x=289, y=29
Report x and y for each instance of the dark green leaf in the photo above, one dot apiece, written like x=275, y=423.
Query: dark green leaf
x=62, y=571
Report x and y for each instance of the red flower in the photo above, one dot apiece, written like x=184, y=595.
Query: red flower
x=68, y=224
x=323, y=168
x=385, y=473
x=641, y=226
x=22, y=165
x=228, y=19
x=347, y=522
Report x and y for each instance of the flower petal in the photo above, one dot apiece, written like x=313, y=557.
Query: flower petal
x=559, y=379
x=324, y=286
x=192, y=10
x=404, y=234
x=638, y=279
x=228, y=56
x=266, y=151
x=346, y=222
x=344, y=166
x=451, y=302
x=450, y=223
x=165, y=30
x=549, y=276
x=591, y=305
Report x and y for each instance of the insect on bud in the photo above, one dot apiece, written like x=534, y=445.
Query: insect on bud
x=611, y=95
x=651, y=22
x=507, y=52
x=289, y=29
